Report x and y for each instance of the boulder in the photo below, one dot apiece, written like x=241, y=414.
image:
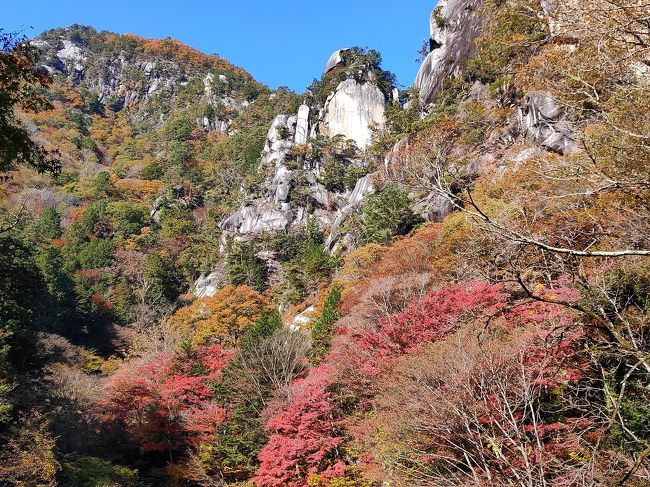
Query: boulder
x=351, y=110
x=433, y=208
x=258, y=218
x=336, y=59
x=208, y=285
x=302, y=319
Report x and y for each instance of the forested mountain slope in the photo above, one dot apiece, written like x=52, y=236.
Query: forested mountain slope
x=208, y=282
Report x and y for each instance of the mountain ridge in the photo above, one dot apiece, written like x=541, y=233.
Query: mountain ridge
x=354, y=286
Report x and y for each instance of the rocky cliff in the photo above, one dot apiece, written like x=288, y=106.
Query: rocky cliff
x=352, y=110
x=313, y=164
x=453, y=27
x=298, y=152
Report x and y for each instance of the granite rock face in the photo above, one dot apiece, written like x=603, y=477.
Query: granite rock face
x=258, y=218
x=279, y=139
x=454, y=26
x=362, y=189
x=352, y=110
x=208, y=285
x=543, y=121
x=291, y=191
x=302, y=125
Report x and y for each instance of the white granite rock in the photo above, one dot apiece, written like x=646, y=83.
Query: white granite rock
x=351, y=111
x=453, y=32
x=72, y=54
x=302, y=319
x=302, y=125
x=208, y=285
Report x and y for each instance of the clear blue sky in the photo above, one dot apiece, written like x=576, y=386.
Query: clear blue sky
x=280, y=42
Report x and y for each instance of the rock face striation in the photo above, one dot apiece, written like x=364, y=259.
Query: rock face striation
x=352, y=110
x=544, y=123
x=454, y=26
x=336, y=59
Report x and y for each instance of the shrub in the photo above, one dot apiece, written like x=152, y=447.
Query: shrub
x=245, y=267
x=95, y=472
x=96, y=254
x=176, y=221
x=512, y=29
x=162, y=280
x=323, y=328
x=164, y=403
x=430, y=318
x=304, y=437
x=127, y=218
x=388, y=214
x=49, y=224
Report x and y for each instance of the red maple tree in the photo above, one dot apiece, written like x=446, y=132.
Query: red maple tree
x=166, y=402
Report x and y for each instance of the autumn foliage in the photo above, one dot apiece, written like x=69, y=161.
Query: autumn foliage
x=303, y=435
x=164, y=403
x=223, y=318
x=430, y=318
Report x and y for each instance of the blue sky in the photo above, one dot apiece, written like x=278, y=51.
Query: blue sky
x=280, y=42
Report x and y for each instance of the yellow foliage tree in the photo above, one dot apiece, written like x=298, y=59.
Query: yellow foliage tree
x=223, y=318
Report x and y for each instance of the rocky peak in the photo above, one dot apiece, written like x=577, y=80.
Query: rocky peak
x=352, y=110
x=454, y=26
x=336, y=59
x=293, y=189
x=357, y=103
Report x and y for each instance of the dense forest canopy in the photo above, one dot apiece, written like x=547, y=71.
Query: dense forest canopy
x=462, y=302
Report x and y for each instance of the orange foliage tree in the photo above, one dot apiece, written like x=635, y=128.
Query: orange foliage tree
x=223, y=318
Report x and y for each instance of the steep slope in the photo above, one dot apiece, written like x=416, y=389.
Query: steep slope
x=350, y=287
x=145, y=76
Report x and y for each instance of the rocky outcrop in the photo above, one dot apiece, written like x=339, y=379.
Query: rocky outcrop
x=302, y=125
x=303, y=319
x=208, y=285
x=122, y=74
x=291, y=191
x=336, y=59
x=454, y=26
x=72, y=56
x=363, y=188
x=279, y=139
x=352, y=110
x=433, y=208
x=258, y=218
x=543, y=122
